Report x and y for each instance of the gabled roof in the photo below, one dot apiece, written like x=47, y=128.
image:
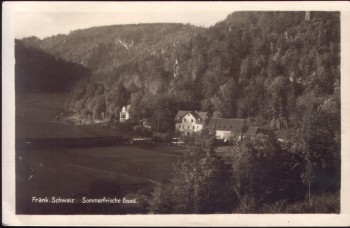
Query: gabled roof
x=202, y=115
x=180, y=113
x=235, y=125
x=126, y=108
x=197, y=115
x=282, y=134
x=251, y=131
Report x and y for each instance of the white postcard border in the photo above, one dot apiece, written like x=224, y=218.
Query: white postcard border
x=8, y=121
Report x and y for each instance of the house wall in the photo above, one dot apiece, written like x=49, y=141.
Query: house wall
x=124, y=116
x=188, y=127
x=188, y=118
x=189, y=124
x=226, y=135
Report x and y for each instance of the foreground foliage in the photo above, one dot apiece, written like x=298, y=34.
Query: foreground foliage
x=258, y=176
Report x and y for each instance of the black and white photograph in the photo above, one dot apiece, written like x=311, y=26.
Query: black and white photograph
x=177, y=108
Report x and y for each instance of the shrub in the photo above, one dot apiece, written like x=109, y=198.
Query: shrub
x=324, y=203
x=200, y=185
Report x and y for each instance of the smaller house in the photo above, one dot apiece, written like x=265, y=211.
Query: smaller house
x=124, y=115
x=282, y=136
x=227, y=128
x=253, y=132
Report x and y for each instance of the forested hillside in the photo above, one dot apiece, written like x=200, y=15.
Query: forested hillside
x=267, y=65
x=38, y=71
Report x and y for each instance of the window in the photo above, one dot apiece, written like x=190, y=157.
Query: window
x=193, y=127
x=180, y=126
x=188, y=127
x=184, y=120
x=192, y=120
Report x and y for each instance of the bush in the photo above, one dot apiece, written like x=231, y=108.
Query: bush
x=324, y=203
x=262, y=175
x=200, y=185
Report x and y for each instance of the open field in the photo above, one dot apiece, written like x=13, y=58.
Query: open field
x=124, y=171
x=91, y=172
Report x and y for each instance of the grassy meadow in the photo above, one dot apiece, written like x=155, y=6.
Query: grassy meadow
x=77, y=172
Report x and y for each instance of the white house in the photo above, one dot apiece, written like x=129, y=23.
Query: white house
x=124, y=114
x=188, y=122
x=227, y=128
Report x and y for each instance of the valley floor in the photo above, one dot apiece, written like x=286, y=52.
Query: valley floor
x=124, y=171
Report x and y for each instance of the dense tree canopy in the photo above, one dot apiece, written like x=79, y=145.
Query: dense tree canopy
x=37, y=71
x=253, y=64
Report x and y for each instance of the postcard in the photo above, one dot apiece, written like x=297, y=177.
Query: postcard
x=175, y=113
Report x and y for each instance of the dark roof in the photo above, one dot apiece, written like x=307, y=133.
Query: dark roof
x=202, y=115
x=282, y=134
x=180, y=113
x=197, y=115
x=264, y=131
x=251, y=131
x=235, y=125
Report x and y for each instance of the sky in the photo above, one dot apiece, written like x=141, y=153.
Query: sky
x=47, y=19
